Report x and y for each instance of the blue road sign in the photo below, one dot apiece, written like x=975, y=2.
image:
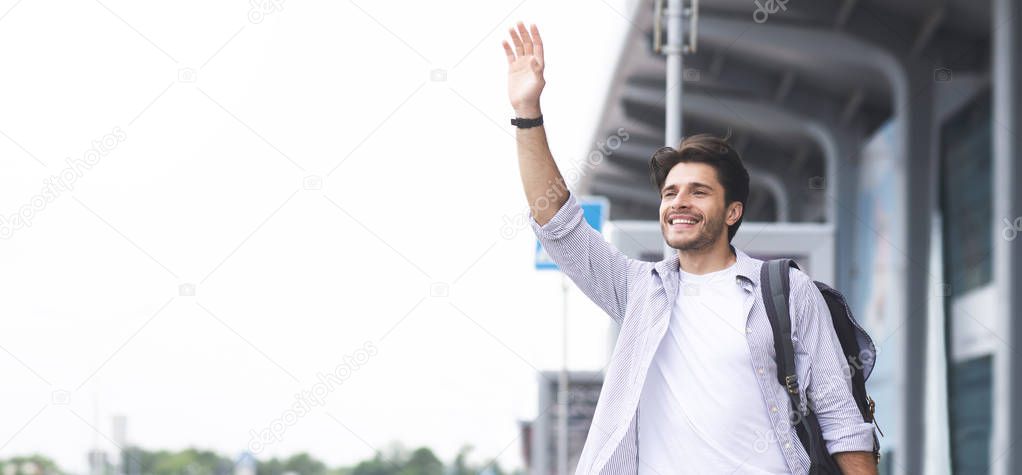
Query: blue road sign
x=595, y=209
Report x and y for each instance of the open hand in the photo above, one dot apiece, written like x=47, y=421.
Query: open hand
x=525, y=70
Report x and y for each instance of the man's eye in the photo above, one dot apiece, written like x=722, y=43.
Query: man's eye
x=668, y=194
x=699, y=193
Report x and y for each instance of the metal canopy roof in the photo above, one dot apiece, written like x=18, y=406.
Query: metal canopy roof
x=738, y=79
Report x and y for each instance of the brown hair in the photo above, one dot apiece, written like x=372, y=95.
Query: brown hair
x=715, y=152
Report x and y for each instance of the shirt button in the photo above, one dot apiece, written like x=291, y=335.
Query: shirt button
x=759, y=370
x=787, y=445
x=773, y=408
x=748, y=329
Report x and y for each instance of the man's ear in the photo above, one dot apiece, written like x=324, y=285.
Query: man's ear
x=734, y=212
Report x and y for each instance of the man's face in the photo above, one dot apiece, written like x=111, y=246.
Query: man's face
x=693, y=215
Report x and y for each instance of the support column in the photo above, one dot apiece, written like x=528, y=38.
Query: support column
x=674, y=50
x=1005, y=455
x=920, y=168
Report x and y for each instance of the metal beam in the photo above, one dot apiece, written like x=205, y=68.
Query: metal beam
x=766, y=120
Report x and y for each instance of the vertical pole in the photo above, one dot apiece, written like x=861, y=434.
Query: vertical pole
x=674, y=49
x=562, y=391
x=1007, y=237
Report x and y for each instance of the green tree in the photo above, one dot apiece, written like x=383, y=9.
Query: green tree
x=423, y=462
x=186, y=462
x=270, y=467
x=35, y=464
x=304, y=464
x=375, y=466
x=461, y=466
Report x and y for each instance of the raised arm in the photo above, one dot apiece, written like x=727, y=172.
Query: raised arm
x=594, y=265
x=544, y=186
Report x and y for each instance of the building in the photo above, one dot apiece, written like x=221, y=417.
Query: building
x=885, y=134
x=541, y=444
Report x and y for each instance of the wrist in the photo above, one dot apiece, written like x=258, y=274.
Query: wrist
x=528, y=112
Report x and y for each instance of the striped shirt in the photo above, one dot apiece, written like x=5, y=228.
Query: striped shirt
x=639, y=296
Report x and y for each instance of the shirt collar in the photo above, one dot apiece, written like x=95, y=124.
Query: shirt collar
x=747, y=268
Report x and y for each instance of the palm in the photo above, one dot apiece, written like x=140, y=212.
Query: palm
x=525, y=67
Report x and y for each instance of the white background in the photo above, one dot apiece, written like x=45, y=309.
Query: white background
x=207, y=188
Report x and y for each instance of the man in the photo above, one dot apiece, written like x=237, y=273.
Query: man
x=691, y=386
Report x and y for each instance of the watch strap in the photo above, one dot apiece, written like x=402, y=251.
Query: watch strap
x=523, y=123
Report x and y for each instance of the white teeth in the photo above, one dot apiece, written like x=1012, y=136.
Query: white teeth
x=682, y=221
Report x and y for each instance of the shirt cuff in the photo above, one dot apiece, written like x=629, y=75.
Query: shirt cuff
x=563, y=222
x=852, y=438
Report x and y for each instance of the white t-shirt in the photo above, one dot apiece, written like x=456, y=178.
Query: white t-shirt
x=700, y=410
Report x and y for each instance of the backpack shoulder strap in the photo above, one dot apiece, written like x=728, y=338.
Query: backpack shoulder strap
x=776, y=286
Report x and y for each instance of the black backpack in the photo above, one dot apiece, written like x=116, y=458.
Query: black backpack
x=855, y=344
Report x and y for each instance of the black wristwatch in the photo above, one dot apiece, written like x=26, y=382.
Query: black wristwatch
x=527, y=123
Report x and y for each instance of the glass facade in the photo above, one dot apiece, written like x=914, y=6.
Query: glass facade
x=965, y=196
x=966, y=209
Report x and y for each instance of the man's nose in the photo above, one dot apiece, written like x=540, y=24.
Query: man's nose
x=679, y=202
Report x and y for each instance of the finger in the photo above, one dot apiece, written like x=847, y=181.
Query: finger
x=510, y=54
x=526, y=38
x=537, y=43
x=518, y=42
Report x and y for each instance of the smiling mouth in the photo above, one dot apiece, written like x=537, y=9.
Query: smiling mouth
x=681, y=224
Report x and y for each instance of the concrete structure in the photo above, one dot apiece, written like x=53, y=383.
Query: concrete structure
x=544, y=431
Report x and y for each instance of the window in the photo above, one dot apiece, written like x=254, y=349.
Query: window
x=966, y=208
x=966, y=203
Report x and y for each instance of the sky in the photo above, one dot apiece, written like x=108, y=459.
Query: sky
x=209, y=208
